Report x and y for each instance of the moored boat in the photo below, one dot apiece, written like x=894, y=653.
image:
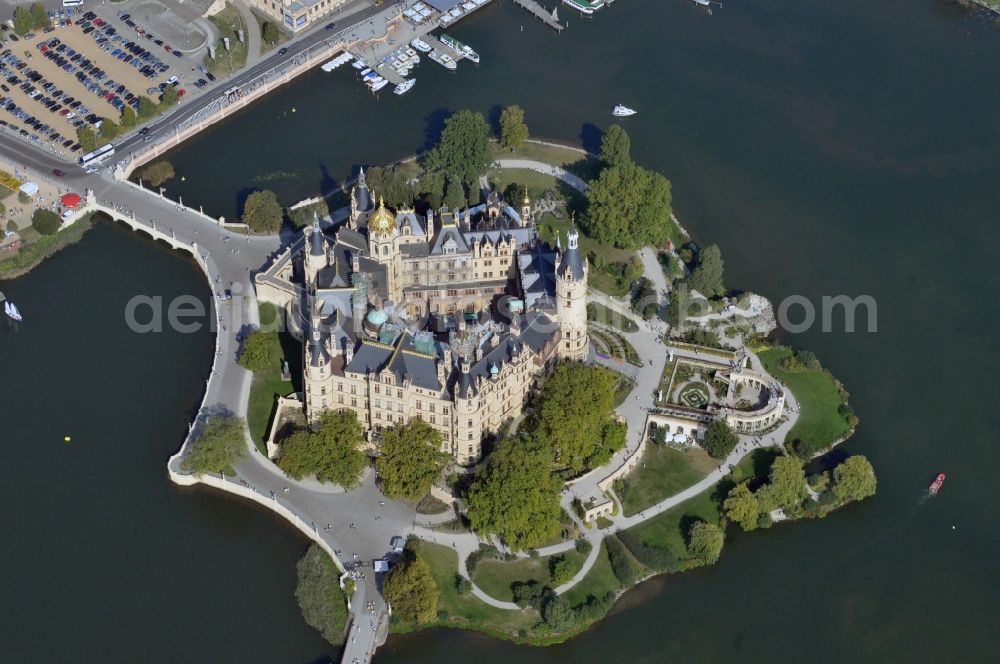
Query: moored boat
x=379, y=85
x=405, y=86
x=462, y=49
x=10, y=309
x=584, y=6
x=421, y=45
x=936, y=484
x=443, y=59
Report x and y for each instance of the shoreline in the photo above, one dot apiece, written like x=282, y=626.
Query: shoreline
x=64, y=239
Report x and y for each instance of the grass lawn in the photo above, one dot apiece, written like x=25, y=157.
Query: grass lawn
x=623, y=388
x=600, y=580
x=229, y=23
x=282, y=35
x=664, y=472
x=601, y=314
x=818, y=397
x=536, y=184
x=268, y=386
x=496, y=576
x=5, y=192
x=668, y=530
x=574, y=161
x=467, y=611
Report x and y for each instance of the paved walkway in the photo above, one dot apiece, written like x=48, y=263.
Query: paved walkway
x=254, y=51
x=541, y=167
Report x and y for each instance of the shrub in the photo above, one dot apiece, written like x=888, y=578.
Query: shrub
x=527, y=593
x=321, y=601
x=260, y=351
x=583, y=545
x=158, y=172
x=562, y=570
x=558, y=614
x=484, y=552
x=653, y=557
x=46, y=222
x=618, y=557
x=462, y=585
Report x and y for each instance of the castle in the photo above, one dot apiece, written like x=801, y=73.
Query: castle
x=450, y=316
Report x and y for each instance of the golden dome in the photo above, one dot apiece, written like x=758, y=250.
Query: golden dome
x=382, y=222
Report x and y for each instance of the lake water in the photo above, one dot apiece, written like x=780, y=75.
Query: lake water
x=829, y=148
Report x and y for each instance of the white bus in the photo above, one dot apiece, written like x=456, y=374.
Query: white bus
x=72, y=3
x=97, y=156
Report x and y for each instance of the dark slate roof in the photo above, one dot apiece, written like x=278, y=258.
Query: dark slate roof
x=449, y=232
x=369, y=357
x=316, y=240
x=505, y=350
x=415, y=250
x=362, y=196
x=538, y=329
x=536, y=267
x=403, y=360
x=572, y=261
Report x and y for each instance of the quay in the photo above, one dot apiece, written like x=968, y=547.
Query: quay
x=439, y=46
x=540, y=12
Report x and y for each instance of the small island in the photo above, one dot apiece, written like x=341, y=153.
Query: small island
x=500, y=386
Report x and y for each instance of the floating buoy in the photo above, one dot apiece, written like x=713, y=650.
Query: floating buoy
x=67, y=439
x=293, y=109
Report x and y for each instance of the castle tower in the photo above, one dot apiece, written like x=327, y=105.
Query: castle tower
x=526, y=210
x=315, y=258
x=467, y=418
x=361, y=200
x=571, y=299
x=317, y=364
x=383, y=244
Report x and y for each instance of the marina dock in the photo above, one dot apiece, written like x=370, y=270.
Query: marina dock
x=441, y=47
x=541, y=13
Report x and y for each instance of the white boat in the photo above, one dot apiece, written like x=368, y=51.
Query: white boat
x=10, y=309
x=381, y=84
x=584, y=6
x=623, y=111
x=443, y=59
x=462, y=49
x=405, y=86
x=421, y=45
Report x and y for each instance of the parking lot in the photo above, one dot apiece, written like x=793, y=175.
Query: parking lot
x=81, y=70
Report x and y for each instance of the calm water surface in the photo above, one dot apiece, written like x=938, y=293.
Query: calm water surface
x=829, y=148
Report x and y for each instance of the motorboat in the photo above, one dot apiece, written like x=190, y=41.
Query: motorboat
x=10, y=309
x=623, y=111
x=462, y=49
x=405, y=86
x=936, y=484
x=421, y=45
x=443, y=59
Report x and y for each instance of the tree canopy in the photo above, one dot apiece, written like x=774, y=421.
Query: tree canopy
x=720, y=439
x=513, y=130
x=854, y=478
x=269, y=33
x=220, y=443
x=260, y=351
x=87, y=139
x=23, y=23
x=392, y=184
x=615, y=146
x=320, y=598
x=786, y=487
x=463, y=151
x=707, y=275
x=454, y=194
x=705, y=542
x=147, y=108
x=629, y=206
x=515, y=496
x=158, y=172
x=39, y=16
x=411, y=592
x=331, y=452
x=575, y=416
x=46, y=222
x=741, y=507
x=262, y=212
x=411, y=459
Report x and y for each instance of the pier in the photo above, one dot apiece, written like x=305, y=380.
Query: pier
x=541, y=13
x=441, y=47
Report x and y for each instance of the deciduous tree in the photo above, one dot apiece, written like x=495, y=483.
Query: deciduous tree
x=454, y=194
x=515, y=495
x=332, y=452
x=720, y=439
x=615, y=146
x=220, y=443
x=260, y=351
x=513, y=130
x=574, y=415
x=147, y=108
x=411, y=592
x=705, y=542
x=39, y=17
x=411, y=459
x=262, y=212
x=854, y=478
x=269, y=33
x=742, y=507
x=23, y=23
x=786, y=485
x=128, y=118
x=707, y=276
x=463, y=150
x=46, y=222
x=629, y=206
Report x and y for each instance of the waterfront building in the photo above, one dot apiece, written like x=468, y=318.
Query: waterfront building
x=451, y=316
x=297, y=15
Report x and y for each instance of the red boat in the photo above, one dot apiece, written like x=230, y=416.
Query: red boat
x=936, y=484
